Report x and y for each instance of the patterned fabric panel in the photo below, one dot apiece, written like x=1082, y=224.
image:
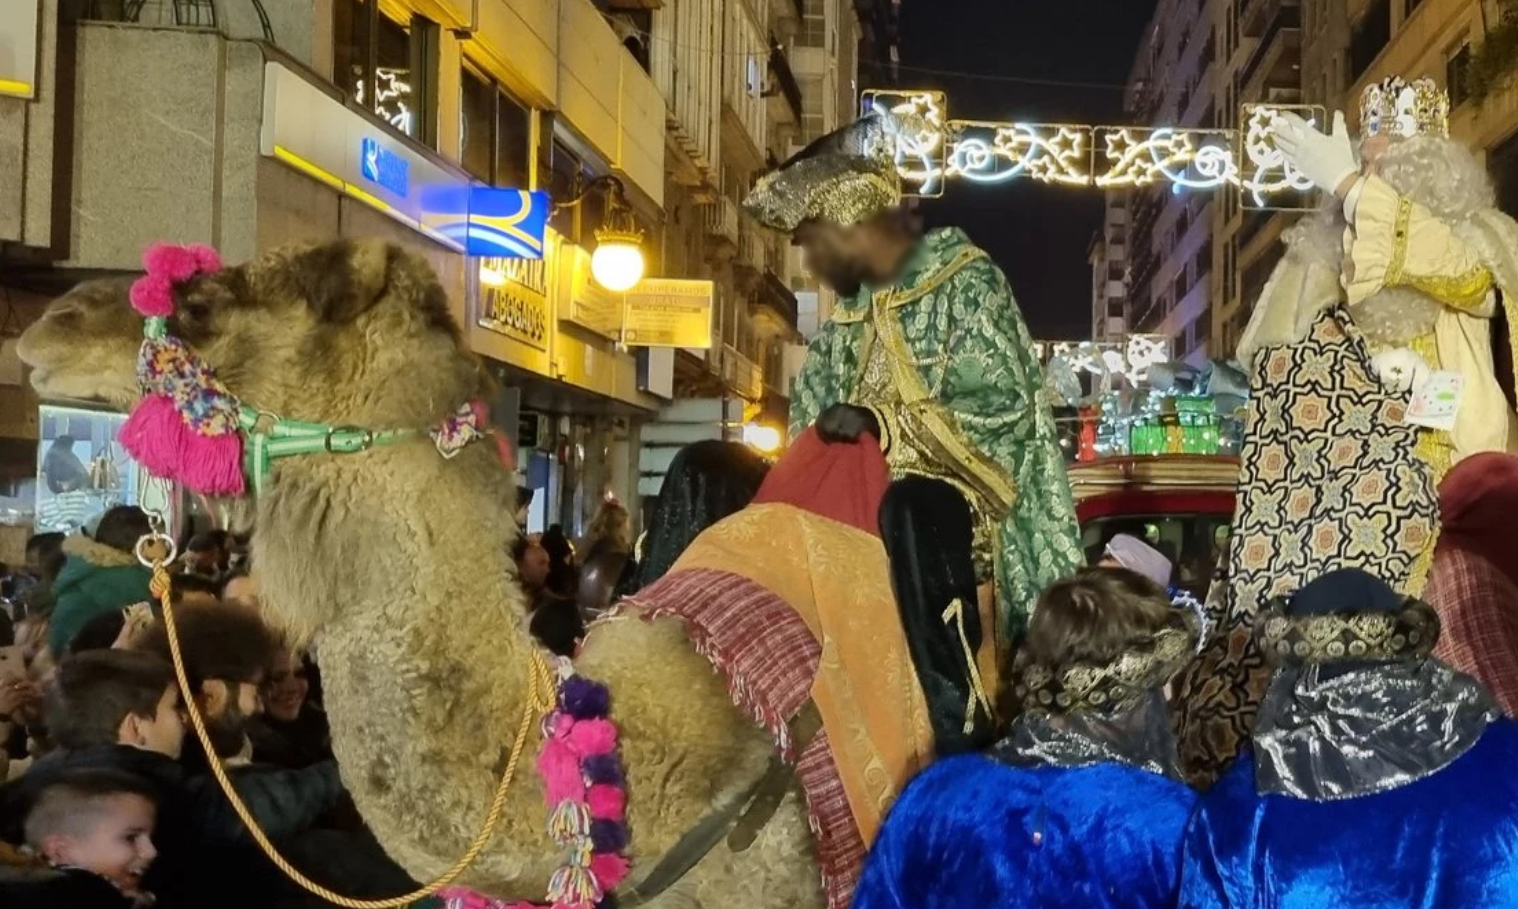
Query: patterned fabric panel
x=1329, y=479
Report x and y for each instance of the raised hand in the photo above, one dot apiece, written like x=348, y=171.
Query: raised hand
x=1327, y=160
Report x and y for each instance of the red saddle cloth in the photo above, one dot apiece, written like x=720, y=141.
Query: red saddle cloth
x=1474, y=582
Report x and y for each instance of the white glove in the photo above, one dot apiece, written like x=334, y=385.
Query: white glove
x=1325, y=160
x=1400, y=370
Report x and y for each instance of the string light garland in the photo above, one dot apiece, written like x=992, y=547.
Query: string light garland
x=938, y=150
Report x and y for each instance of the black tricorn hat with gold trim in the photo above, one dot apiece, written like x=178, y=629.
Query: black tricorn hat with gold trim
x=845, y=177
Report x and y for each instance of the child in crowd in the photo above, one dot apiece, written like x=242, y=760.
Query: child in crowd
x=89, y=836
x=1081, y=804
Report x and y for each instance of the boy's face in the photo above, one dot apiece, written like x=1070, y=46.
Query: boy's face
x=117, y=846
x=163, y=732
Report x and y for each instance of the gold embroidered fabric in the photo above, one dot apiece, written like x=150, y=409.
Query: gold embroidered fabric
x=912, y=451
x=1107, y=687
x=1337, y=637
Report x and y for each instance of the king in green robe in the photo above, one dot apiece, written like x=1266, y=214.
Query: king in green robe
x=927, y=351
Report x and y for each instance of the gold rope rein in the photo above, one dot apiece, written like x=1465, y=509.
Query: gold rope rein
x=539, y=701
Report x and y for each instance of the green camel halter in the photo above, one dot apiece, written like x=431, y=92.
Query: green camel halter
x=267, y=438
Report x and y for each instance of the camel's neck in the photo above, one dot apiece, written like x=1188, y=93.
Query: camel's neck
x=393, y=542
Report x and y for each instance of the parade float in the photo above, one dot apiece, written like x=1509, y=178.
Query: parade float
x=1152, y=448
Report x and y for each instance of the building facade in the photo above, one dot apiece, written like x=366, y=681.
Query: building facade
x=246, y=126
x=1352, y=43
x=1153, y=274
x=1182, y=264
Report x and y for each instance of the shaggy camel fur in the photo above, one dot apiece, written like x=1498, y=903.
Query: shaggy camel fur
x=396, y=562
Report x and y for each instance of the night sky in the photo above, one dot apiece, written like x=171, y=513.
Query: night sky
x=1038, y=234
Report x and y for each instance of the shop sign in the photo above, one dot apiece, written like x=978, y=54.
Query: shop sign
x=514, y=299
x=500, y=222
x=666, y=312
x=591, y=306
x=310, y=130
x=18, y=47
x=383, y=167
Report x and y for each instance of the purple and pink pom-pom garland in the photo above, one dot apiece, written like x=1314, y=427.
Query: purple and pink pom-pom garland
x=586, y=793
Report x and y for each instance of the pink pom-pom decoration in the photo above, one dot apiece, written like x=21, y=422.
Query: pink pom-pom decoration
x=607, y=803
x=560, y=769
x=592, y=737
x=170, y=262
x=152, y=296
x=610, y=869
x=206, y=258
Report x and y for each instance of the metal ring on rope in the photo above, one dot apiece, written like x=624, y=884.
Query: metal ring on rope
x=156, y=537
x=539, y=700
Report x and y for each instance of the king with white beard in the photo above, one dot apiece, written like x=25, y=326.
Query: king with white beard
x=1416, y=247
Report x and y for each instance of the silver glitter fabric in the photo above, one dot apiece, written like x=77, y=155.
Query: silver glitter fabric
x=845, y=177
x=1365, y=731
x=1139, y=737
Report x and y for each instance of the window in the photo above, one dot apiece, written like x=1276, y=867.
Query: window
x=1457, y=75
x=1371, y=35
x=569, y=174
x=497, y=133
x=387, y=66
x=563, y=180
x=477, y=122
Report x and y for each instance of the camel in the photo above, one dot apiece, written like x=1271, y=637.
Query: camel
x=396, y=563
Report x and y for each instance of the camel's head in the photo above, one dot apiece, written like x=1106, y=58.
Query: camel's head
x=85, y=345
x=353, y=332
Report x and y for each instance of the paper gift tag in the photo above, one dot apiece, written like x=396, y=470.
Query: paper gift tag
x=1436, y=402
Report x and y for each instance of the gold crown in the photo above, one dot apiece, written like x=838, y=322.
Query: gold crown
x=1402, y=109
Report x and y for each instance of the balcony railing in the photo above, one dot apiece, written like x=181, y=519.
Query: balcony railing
x=750, y=248
x=721, y=218
x=1281, y=45
x=784, y=79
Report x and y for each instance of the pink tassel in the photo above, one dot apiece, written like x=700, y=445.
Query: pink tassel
x=593, y=737
x=154, y=434
x=463, y=898
x=157, y=437
x=609, y=869
x=213, y=464
x=561, y=725
x=560, y=769
x=607, y=803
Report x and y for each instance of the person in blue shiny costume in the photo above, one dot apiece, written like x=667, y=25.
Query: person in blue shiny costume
x=1378, y=779
x=1080, y=806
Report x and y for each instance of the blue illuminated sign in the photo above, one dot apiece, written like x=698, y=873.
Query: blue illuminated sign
x=498, y=223
x=385, y=168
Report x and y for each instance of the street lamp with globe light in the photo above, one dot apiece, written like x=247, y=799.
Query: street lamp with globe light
x=617, y=262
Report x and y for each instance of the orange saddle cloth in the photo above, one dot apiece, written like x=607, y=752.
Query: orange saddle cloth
x=791, y=601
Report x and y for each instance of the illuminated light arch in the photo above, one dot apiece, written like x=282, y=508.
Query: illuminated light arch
x=938, y=150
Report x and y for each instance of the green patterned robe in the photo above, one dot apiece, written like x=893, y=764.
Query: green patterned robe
x=971, y=385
